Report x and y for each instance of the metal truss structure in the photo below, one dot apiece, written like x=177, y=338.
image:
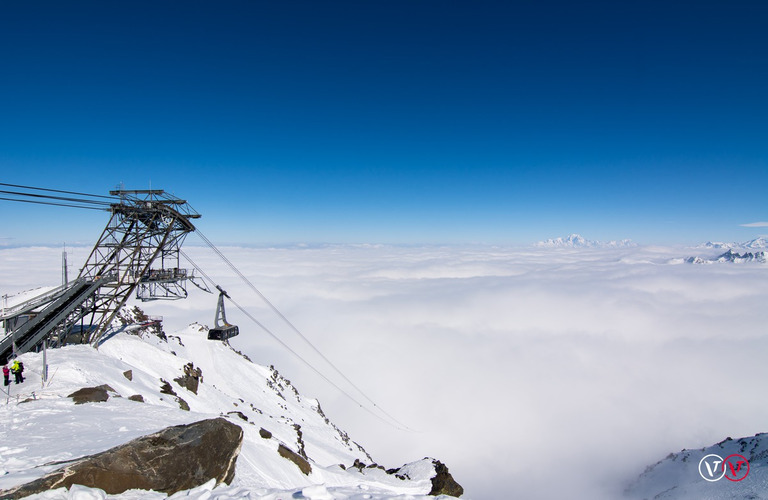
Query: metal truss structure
x=138, y=251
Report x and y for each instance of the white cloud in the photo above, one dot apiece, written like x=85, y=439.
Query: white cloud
x=755, y=224
x=520, y=369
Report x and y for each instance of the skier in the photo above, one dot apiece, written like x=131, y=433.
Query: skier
x=6, y=375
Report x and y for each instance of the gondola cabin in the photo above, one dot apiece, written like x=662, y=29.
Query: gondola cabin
x=222, y=330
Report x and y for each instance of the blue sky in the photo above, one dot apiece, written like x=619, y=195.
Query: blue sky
x=392, y=122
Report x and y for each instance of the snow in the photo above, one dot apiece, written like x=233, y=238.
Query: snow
x=729, y=256
x=759, y=243
x=578, y=241
x=677, y=476
x=40, y=425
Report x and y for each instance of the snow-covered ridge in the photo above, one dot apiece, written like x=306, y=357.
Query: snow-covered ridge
x=42, y=425
x=749, y=251
x=677, y=476
x=730, y=256
x=758, y=243
x=578, y=241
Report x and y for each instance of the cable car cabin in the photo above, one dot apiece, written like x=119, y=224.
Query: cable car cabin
x=223, y=332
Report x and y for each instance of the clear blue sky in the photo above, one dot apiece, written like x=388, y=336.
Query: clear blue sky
x=393, y=121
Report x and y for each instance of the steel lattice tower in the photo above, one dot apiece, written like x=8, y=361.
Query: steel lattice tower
x=138, y=250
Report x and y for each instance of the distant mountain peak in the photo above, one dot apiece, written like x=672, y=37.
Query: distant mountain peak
x=759, y=243
x=575, y=240
x=730, y=256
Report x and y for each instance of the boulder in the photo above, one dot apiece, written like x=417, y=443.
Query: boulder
x=91, y=394
x=175, y=459
x=443, y=483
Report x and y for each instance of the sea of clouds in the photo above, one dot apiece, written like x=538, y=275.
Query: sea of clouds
x=531, y=372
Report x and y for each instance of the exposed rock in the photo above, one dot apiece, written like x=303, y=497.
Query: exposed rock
x=182, y=404
x=300, y=440
x=128, y=374
x=359, y=465
x=239, y=414
x=91, y=394
x=181, y=457
x=294, y=457
x=137, y=397
x=191, y=379
x=443, y=483
x=166, y=388
x=398, y=474
x=264, y=433
x=146, y=325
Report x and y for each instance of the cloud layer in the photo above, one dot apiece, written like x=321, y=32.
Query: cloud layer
x=542, y=373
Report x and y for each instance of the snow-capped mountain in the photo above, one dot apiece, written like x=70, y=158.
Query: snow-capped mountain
x=685, y=475
x=758, y=243
x=147, y=378
x=730, y=256
x=578, y=241
x=718, y=245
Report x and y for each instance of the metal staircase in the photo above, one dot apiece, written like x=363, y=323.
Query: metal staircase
x=54, y=320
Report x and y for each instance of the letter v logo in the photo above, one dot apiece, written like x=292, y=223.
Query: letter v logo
x=713, y=466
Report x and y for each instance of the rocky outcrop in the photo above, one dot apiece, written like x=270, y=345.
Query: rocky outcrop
x=191, y=379
x=91, y=394
x=294, y=457
x=165, y=388
x=443, y=483
x=730, y=256
x=175, y=459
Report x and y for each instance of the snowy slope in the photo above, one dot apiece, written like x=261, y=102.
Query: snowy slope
x=678, y=477
x=759, y=243
x=40, y=425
